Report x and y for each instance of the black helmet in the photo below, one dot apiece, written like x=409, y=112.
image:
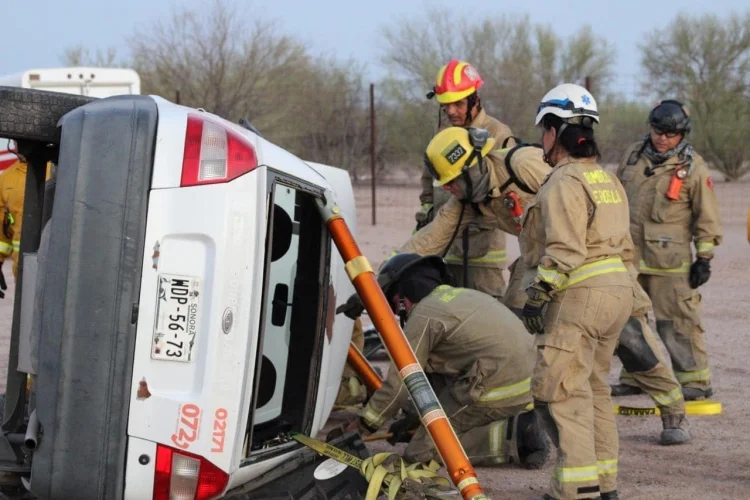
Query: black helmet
x=670, y=116
x=396, y=266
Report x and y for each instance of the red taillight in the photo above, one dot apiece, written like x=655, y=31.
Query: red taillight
x=183, y=476
x=214, y=154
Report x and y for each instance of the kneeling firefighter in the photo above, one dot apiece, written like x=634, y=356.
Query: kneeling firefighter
x=479, y=359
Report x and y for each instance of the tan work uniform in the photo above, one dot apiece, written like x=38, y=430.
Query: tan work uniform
x=486, y=244
x=575, y=237
x=483, y=358
x=12, y=191
x=528, y=165
x=352, y=390
x=640, y=354
x=662, y=230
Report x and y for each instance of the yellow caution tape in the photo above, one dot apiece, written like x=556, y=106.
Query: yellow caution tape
x=704, y=407
x=383, y=470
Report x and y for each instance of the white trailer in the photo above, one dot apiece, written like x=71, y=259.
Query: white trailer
x=80, y=80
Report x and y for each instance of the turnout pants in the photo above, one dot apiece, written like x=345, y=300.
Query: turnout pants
x=570, y=388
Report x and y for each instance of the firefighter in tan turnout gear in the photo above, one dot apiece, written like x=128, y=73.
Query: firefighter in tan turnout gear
x=673, y=204
x=576, y=243
x=482, y=244
x=478, y=357
x=489, y=186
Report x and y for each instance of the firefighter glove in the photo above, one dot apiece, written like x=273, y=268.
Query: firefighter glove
x=352, y=308
x=700, y=271
x=536, y=307
x=3, y=285
x=424, y=216
x=403, y=429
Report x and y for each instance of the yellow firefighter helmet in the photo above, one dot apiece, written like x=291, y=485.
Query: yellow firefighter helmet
x=454, y=149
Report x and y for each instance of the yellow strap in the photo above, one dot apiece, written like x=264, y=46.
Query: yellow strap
x=385, y=472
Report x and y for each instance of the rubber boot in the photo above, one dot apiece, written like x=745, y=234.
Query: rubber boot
x=693, y=394
x=674, y=431
x=533, y=445
x=625, y=390
x=610, y=495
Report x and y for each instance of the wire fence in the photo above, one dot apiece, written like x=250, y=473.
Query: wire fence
x=396, y=205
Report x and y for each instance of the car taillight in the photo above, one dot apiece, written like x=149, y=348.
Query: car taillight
x=214, y=154
x=184, y=476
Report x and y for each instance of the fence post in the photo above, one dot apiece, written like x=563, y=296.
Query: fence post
x=372, y=148
x=587, y=83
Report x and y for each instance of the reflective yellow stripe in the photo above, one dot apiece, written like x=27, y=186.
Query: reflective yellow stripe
x=508, y=391
x=426, y=206
x=372, y=418
x=16, y=245
x=576, y=474
x=704, y=247
x=554, y=278
x=606, y=466
x=447, y=293
x=497, y=431
x=491, y=257
x=684, y=268
x=667, y=398
x=560, y=281
x=697, y=376
x=5, y=249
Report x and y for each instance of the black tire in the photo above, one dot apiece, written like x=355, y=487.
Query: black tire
x=33, y=114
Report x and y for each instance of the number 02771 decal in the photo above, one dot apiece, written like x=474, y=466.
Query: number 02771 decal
x=177, y=318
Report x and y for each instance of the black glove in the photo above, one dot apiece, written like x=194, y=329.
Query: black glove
x=3, y=285
x=403, y=429
x=536, y=307
x=352, y=308
x=700, y=271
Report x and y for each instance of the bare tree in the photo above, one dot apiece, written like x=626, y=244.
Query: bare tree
x=220, y=62
x=518, y=61
x=82, y=56
x=705, y=61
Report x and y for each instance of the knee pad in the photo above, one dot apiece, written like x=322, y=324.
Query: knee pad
x=634, y=352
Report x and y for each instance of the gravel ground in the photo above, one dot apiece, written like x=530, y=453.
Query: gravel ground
x=716, y=465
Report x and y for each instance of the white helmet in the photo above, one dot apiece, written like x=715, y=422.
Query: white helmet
x=568, y=101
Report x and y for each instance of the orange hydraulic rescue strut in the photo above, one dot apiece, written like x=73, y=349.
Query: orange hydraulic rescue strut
x=363, y=368
x=430, y=411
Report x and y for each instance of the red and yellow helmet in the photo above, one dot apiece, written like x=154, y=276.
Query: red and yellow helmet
x=455, y=81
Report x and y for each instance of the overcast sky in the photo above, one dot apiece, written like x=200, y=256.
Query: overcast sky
x=38, y=31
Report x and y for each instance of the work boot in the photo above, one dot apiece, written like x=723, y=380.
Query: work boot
x=674, y=432
x=610, y=495
x=533, y=445
x=693, y=393
x=625, y=390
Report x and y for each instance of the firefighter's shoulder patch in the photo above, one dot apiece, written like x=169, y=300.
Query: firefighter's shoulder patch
x=709, y=182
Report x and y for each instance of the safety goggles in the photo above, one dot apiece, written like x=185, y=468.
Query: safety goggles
x=669, y=134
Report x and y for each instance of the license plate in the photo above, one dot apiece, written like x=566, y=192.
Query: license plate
x=177, y=318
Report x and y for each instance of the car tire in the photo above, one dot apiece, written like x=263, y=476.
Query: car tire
x=34, y=114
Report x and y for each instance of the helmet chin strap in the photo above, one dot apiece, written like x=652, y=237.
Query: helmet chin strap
x=401, y=309
x=547, y=156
